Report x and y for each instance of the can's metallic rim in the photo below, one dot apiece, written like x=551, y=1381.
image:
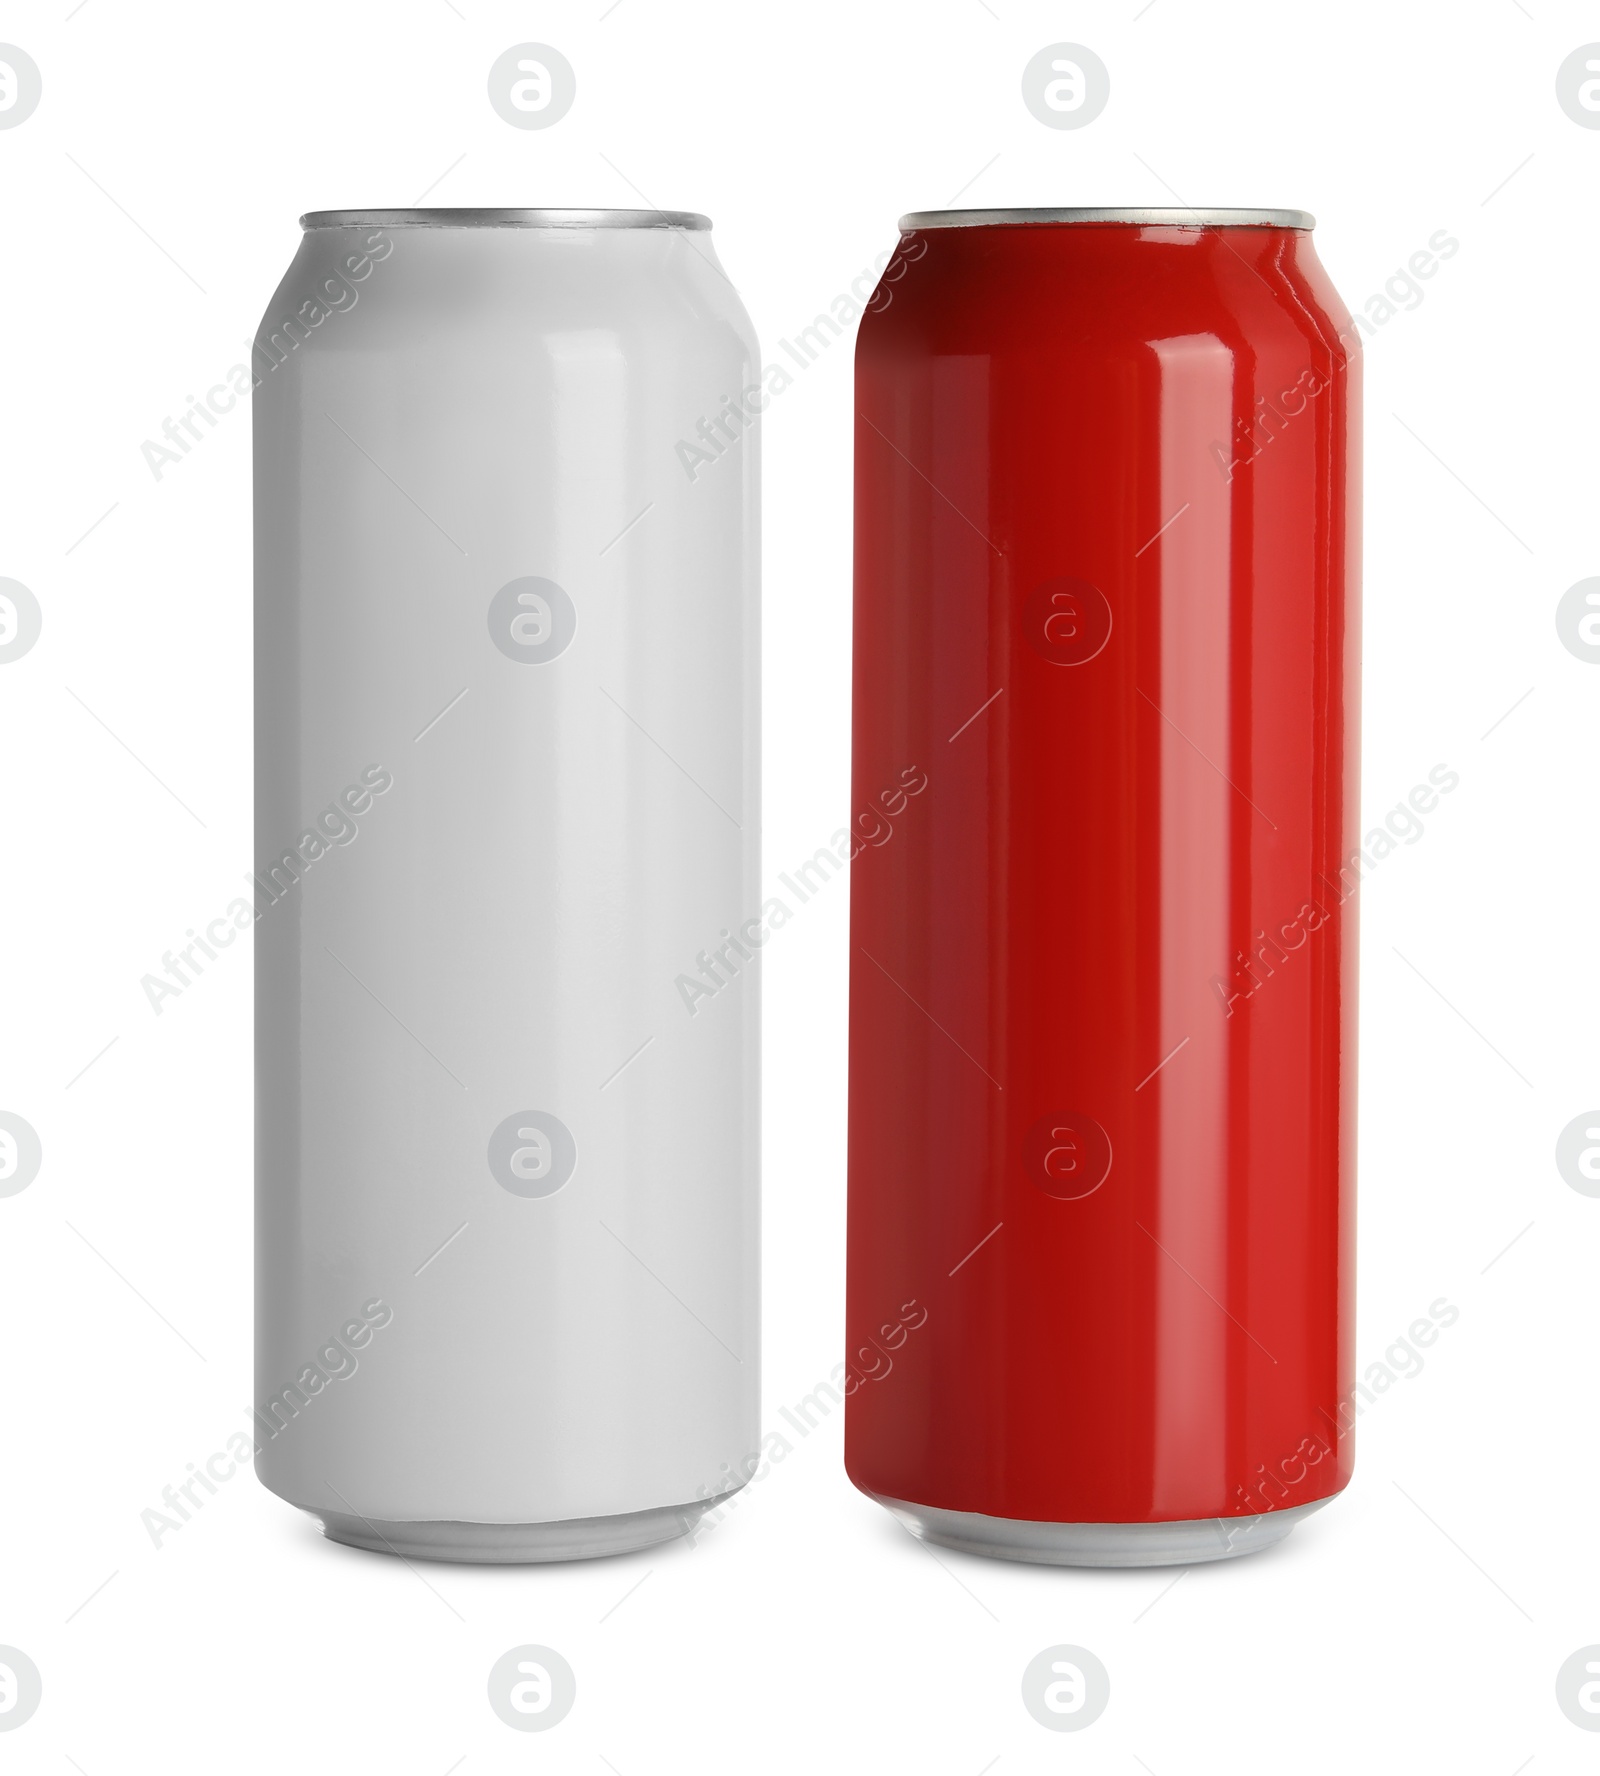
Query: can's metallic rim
x=504, y=219
x=1168, y=218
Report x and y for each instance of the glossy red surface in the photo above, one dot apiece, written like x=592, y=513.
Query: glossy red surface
x=1102, y=1020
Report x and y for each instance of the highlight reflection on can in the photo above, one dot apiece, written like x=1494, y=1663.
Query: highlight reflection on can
x=1102, y=1056
x=507, y=781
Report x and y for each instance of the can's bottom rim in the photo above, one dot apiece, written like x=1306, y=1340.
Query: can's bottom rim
x=1180, y=1543
x=516, y=1544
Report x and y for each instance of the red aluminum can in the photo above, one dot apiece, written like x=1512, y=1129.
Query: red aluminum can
x=1103, y=968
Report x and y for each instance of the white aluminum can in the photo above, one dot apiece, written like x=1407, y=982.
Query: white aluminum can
x=506, y=807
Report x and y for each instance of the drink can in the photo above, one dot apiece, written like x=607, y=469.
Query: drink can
x=506, y=791
x=1102, y=1020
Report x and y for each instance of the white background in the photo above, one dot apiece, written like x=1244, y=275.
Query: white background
x=1424, y=1615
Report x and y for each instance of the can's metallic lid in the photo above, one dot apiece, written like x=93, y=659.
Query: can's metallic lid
x=1159, y=218
x=504, y=219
